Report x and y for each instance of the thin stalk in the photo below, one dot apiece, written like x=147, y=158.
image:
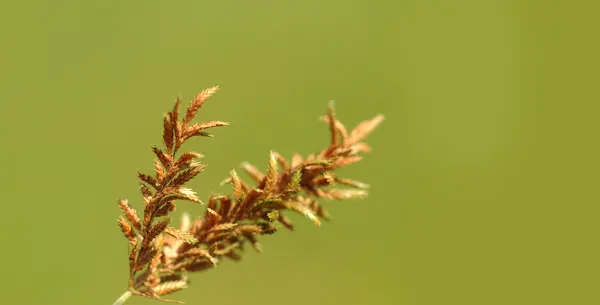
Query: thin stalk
x=123, y=298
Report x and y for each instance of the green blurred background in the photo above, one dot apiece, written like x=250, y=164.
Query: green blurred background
x=485, y=178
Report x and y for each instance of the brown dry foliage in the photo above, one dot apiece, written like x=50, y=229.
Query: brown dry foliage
x=161, y=255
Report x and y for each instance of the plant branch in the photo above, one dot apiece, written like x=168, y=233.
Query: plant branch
x=161, y=256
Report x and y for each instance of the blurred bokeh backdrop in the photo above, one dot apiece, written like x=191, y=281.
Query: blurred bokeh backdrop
x=484, y=180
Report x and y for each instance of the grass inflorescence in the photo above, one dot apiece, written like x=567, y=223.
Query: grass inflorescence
x=161, y=255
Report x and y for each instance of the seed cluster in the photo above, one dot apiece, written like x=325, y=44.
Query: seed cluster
x=161, y=255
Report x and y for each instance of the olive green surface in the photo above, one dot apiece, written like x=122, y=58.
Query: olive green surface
x=484, y=175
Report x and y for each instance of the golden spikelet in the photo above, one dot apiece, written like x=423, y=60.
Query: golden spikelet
x=364, y=129
x=347, y=194
x=197, y=103
x=237, y=186
x=169, y=287
x=271, y=182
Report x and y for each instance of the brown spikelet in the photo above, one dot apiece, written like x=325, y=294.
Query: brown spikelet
x=296, y=206
x=130, y=214
x=174, y=114
x=227, y=250
x=155, y=230
x=176, y=124
x=146, y=192
x=212, y=217
x=353, y=183
x=159, y=172
x=252, y=238
x=131, y=259
x=160, y=255
x=197, y=266
x=178, y=131
x=186, y=176
x=332, y=128
x=249, y=229
x=165, y=159
x=223, y=227
x=197, y=103
x=165, y=209
x=145, y=256
x=198, y=134
x=194, y=129
x=168, y=134
x=187, y=157
x=338, y=126
x=127, y=231
x=201, y=253
x=286, y=222
x=148, y=179
x=316, y=207
x=155, y=261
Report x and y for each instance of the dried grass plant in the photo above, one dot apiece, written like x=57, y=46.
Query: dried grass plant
x=161, y=255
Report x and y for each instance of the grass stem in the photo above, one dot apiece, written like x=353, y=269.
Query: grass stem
x=123, y=298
